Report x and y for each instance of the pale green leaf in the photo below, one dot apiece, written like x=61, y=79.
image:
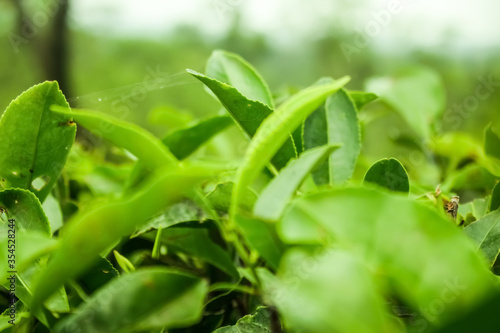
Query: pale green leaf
x=416, y=250
x=142, y=144
x=417, y=93
x=274, y=198
x=343, y=128
x=326, y=292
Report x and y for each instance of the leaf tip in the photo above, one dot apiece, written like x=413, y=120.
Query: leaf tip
x=193, y=72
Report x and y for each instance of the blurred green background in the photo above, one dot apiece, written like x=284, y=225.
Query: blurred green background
x=128, y=58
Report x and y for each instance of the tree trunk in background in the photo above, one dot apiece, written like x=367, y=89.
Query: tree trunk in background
x=55, y=63
x=50, y=45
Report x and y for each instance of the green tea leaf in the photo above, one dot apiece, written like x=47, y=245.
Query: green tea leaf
x=5, y=319
x=316, y=135
x=336, y=122
x=148, y=299
x=34, y=142
x=170, y=117
x=491, y=142
x=186, y=141
x=384, y=229
x=123, y=262
x=174, y=214
x=495, y=198
x=388, y=173
x=275, y=131
x=418, y=94
x=361, y=98
x=90, y=232
x=96, y=276
x=193, y=238
x=326, y=292
x=477, y=208
x=30, y=246
x=233, y=70
x=33, y=245
x=263, y=238
x=53, y=211
x=274, y=198
x=259, y=322
x=486, y=233
x=248, y=114
x=220, y=198
x=144, y=145
x=343, y=128
x=25, y=208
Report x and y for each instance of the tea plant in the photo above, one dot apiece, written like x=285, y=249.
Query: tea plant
x=300, y=235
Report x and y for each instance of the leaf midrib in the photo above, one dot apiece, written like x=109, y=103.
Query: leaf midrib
x=37, y=139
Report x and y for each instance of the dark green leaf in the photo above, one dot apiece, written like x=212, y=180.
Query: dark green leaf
x=186, y=141
x=495, y=198
x=248, y=114
x=484, y=317
x=263, y=238
x=194, y=239
x=334, y=123
x=149, y=299
x=98, y=275
x=25, y=208
x=361, y=98
x=486, y=233
x=180, y=212
x=388, y=173
x=260, y=322
x=491, y=142
x=316, y=135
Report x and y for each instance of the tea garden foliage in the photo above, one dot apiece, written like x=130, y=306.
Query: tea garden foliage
x=299, y=235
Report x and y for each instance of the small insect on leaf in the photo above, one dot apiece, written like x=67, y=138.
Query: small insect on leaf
x=451, y=207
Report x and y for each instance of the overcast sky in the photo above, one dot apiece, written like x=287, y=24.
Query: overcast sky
x=422, y=23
